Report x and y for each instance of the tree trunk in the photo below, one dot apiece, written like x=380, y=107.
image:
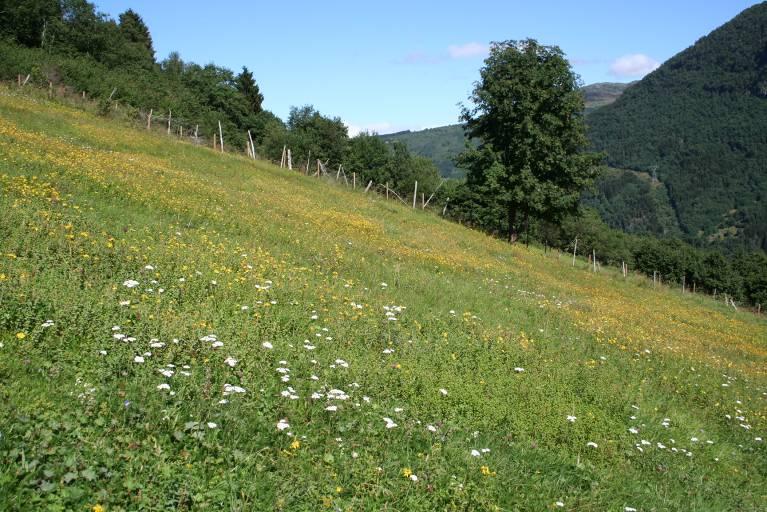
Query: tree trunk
x=512, y=218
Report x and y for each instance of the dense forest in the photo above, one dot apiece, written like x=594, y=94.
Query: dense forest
x=698, y=123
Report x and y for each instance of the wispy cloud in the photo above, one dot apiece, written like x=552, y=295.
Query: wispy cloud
x=466, y=51
x=633, y=65
x=421, y=58
x=452, y=52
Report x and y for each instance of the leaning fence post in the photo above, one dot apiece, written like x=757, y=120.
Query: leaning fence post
x=252, y=146
x=368, y=187
x=221, y=136
x=149, y=120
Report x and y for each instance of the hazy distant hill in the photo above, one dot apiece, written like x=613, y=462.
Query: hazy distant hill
x=442, y=144
x=602, y=93
x=700, y=122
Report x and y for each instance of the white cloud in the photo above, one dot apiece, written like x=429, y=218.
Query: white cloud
x=380, y=128
x=633, y=65
x=356, y=129
x=468, y=50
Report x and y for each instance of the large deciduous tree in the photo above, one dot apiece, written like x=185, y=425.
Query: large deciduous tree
x=527, y=113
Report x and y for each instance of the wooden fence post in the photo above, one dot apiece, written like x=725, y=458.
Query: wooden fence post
x=415, y=193
x=252, y=146
x=370, y=183
x=214, y=140
x=387, y=190
x=290, y=160
x=149, y=120
x=594, y=258
x=575, y=248
x=221, y=136
x=444, y=209
x=354, y=181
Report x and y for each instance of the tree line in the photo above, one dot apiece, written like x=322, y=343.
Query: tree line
x=68, y=43
x=526, y=153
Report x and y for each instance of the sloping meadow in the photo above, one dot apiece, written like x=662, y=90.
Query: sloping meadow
x=187, y=330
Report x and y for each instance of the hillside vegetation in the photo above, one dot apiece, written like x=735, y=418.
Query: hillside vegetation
x=700, y=121
x=181, y=329
x=443, y=143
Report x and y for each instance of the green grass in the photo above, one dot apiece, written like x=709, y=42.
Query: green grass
x=87, y=205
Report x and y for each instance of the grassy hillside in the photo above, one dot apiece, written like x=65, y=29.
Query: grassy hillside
x=700, y=120
x=602, y=93
x=444, y=143
x=185, y=330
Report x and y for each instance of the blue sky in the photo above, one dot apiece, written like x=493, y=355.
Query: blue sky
x=394, y=65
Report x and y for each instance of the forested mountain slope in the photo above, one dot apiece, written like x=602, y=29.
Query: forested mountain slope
x=443, y=143
x=699, y=122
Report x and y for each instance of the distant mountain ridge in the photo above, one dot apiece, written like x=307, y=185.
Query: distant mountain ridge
x=444, y=143
x=699, y=122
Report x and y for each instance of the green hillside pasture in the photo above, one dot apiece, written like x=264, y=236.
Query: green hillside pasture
x=190, y=331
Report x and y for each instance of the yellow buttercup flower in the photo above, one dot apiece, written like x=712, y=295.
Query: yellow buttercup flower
x=21, y=335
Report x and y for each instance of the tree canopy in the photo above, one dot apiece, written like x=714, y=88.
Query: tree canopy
x=527, y=113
